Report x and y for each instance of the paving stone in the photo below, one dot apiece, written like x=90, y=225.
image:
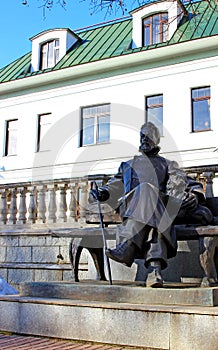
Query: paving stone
x=12, y=342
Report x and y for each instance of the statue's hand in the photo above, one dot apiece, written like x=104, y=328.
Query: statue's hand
x=99, y=194
x=190, y=202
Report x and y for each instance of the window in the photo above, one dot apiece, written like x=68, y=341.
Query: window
x=155, y=29
x=49, y=54
x=44, y=123
x=11, y=137
x=201, y=109
x=95, y=125
x=154, y=111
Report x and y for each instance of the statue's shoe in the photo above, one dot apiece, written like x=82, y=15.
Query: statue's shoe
x=154, y=277
x=124, y=253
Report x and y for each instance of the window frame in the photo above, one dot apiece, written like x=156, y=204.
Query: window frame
x=148, y=107
x=8, y=131
x=95, y=125
x=152, y=27
x=39, y=131
x=53, y=53
x=193, y=108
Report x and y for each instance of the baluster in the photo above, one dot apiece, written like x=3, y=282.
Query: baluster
x=22, y=210
x=3, y=207
x=13, y=207
x=83, y=201
x=62, y=217
x=32, y=209
x=209, y=175
x=52, y=207
x=41, y=218
x=73, y=203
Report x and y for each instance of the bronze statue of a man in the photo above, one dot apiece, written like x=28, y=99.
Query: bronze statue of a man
x=150, y=193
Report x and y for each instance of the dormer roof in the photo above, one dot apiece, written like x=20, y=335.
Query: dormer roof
x=66, y=39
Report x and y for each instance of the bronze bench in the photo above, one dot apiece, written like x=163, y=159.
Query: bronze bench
x=91, y=239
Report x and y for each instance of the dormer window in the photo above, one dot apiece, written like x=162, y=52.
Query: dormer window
x=50, y=46
x=156, y=22
x=155, y=29
x=49, y=54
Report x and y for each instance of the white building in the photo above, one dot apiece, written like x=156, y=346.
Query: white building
x=71, y=110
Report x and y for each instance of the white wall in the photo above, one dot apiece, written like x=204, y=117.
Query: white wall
x=126, y=93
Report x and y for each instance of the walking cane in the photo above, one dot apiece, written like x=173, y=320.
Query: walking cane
x=95, y=186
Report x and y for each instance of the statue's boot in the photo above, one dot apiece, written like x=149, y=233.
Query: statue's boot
x=154, y=277
x=124, y=253
x=135, y=234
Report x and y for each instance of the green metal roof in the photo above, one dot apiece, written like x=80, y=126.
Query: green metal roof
x=114, y=39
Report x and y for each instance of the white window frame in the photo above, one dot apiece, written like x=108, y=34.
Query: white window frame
x=11, y=140
x=49, y=54
x=95, y=112
x=42, y=127
x=202, y=94
x=154, y=106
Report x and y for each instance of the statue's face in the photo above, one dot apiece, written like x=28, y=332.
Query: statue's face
x=146, y=143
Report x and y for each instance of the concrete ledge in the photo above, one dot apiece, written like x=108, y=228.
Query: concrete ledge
x=148, y=326
x=172, y=294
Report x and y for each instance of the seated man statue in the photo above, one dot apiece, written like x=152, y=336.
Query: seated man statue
x=150, y=193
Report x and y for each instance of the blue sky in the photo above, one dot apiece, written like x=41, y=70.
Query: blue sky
x=18, y=23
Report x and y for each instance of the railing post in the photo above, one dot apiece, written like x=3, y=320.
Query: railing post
x=32, y=209
x=13, y=207
x=83, y=201
x=209, y=175
x=3, y=207
x=62, y=217
x=73, y=202
x=22, y=210
x=52, y=207
x=41, y=218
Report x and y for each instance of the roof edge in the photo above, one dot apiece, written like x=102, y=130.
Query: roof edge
x=92, y=68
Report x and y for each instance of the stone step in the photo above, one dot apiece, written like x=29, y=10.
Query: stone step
x=163, y=327
x=122, y=292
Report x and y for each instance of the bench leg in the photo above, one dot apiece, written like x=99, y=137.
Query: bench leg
x=98, y=259
x=208, y=252
x=75, y=249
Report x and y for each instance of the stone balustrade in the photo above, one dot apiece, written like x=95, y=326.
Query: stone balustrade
x=205, y=175
x=61, y=201
x=64, y=201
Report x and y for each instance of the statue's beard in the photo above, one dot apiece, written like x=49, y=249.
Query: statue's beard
x=144, y=148
x=149, y=150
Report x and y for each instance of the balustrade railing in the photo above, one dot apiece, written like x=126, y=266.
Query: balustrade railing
x=65, y=201
x=50, y=202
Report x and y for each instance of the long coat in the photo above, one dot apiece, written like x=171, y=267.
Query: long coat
x=150, y=189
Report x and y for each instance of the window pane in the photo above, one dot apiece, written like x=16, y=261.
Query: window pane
x=50, y=54
x=154, y=111
x=103, y=129
x=201, y=109
x=44, y=123
x=96, y=124
x=44, y=50
x=155, y=29
x=147, y=31
x=88, y=131
x=11, y=137
x=164, y=27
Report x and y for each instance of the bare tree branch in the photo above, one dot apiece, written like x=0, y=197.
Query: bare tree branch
x=107, y=6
